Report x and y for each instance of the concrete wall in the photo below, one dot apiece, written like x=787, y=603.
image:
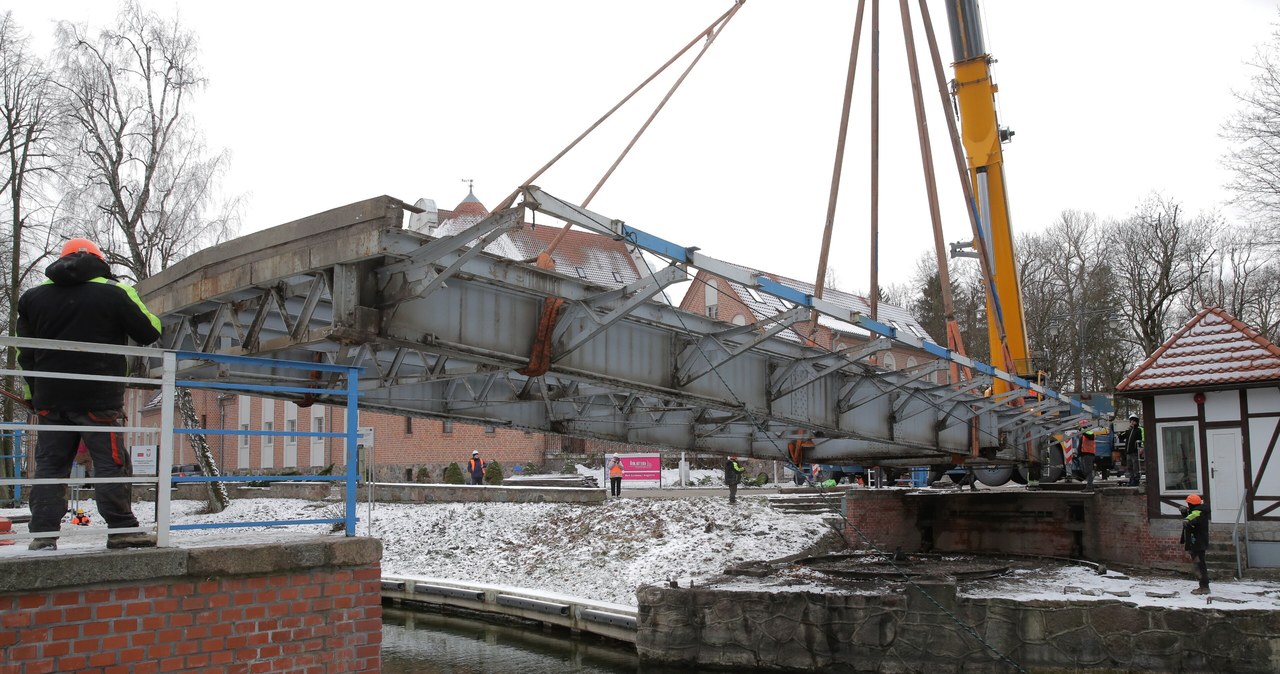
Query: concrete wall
x=928, y=628
x=310, y=606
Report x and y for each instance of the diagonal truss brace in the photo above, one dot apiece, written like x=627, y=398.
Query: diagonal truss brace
x=418, y=268
x=801, y=373
x=714, y=350
x=636, y=294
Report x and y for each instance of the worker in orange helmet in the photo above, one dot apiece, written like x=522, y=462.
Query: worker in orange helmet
x=82, y=301
x=1195, y=538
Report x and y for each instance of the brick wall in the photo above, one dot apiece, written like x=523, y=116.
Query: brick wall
x=316, y=620
x=1108, y=526
x=882, y=519
x=400, y=444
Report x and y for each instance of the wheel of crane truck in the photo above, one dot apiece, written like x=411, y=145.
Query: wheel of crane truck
x=1019, y=475
x=936, y=473
x=993, y=476
x=798, y=478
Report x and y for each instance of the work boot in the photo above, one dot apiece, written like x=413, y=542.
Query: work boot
x=1200, y=590
x=43, y=544
x=133, y=540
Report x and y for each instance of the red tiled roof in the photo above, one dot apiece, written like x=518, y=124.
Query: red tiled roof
x=599, y=259
x=1212, y=350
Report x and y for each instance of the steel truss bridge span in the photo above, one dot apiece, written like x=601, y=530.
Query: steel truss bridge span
x=444, y=329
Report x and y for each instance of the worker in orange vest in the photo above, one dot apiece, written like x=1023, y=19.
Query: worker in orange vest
x=1088, y=451
x=615, y=476
x=476, y=468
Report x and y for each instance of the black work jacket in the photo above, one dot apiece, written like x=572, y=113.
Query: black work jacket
x=81, y=302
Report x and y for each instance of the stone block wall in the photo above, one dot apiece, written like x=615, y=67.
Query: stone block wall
x=928, y=628
x=294, y=607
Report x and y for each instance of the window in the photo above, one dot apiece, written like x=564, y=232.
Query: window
x=752, y=292
x=268, y=445
x=890, y=363
x=912, y=362
x=582, y=273
x=617, y=277
x=408, y=425
x=490, y=430
x=446, y=427
x=317, y=442
x=713, y=310
x=1179, y=458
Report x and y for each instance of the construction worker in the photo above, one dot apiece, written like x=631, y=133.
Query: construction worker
x=82, y=301
x=732, y=477
x=1133, y=450
x=1195, y=539
x=475, y=467
x=1088, y=450
x=615, y=476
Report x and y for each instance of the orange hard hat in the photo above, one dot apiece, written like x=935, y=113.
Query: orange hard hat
x=82, y=246
x=1194, y=499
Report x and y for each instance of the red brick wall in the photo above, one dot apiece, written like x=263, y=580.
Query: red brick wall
x=882, y=519
x=1123, y=533
x=316, y=621
x=421, y=444
x=1111, y=527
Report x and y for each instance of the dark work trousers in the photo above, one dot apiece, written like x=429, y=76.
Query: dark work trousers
x=615, y=486
x=1135, y=470
x=1202, y=569
x=1086, y=467
x=55, y=452
x=733, y=492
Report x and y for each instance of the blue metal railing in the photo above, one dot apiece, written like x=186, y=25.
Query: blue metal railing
x=16, y=437
x=167, y=431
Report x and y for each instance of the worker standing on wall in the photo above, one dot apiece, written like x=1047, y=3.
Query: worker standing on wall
x=1088, y=451
x=82, y=302
x=1133, y=450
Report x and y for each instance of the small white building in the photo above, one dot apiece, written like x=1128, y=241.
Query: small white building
x=1211, y=414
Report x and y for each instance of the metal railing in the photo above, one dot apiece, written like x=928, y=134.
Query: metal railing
x=15, y=435
x=168, y=384
x=1235, y=532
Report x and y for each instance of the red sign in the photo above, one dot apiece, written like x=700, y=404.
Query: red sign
x=641, y=467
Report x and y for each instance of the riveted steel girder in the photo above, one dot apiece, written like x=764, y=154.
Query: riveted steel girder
x=442, y=328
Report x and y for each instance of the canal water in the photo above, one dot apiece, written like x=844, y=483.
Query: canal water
x=433, y=643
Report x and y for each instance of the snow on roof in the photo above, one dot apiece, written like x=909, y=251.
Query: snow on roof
x=763, y=306
x=586, y=255
x=1213, y=349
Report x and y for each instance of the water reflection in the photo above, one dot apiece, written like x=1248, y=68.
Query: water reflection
x=433, y=643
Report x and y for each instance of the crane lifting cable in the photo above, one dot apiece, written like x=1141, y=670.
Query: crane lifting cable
x=707, y=36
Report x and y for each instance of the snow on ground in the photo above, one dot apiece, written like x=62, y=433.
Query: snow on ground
x=604, y=552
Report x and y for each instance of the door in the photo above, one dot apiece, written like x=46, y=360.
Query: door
x=1226, y=480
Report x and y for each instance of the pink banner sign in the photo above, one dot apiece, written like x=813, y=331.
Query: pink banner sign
x=641, y=467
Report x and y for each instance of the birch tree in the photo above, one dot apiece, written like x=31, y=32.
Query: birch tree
x=143, y=182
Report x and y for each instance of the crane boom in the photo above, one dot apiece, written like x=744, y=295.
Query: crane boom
x=981, y=136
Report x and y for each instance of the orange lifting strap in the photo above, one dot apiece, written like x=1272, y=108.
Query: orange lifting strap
x=540, y=354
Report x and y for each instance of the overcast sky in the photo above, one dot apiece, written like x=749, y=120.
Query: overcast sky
x=325, y=103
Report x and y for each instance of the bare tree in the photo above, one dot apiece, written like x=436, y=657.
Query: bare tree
x=144, y=184
x=1069, y=298
x=26, y=102
x=1244, y=279
x=1254, y=131
x=1159, y=255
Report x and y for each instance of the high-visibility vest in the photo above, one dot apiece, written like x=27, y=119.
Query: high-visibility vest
x=615, y=469
x=1087, y=444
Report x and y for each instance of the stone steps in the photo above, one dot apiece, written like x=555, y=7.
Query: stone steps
x=808, y=504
